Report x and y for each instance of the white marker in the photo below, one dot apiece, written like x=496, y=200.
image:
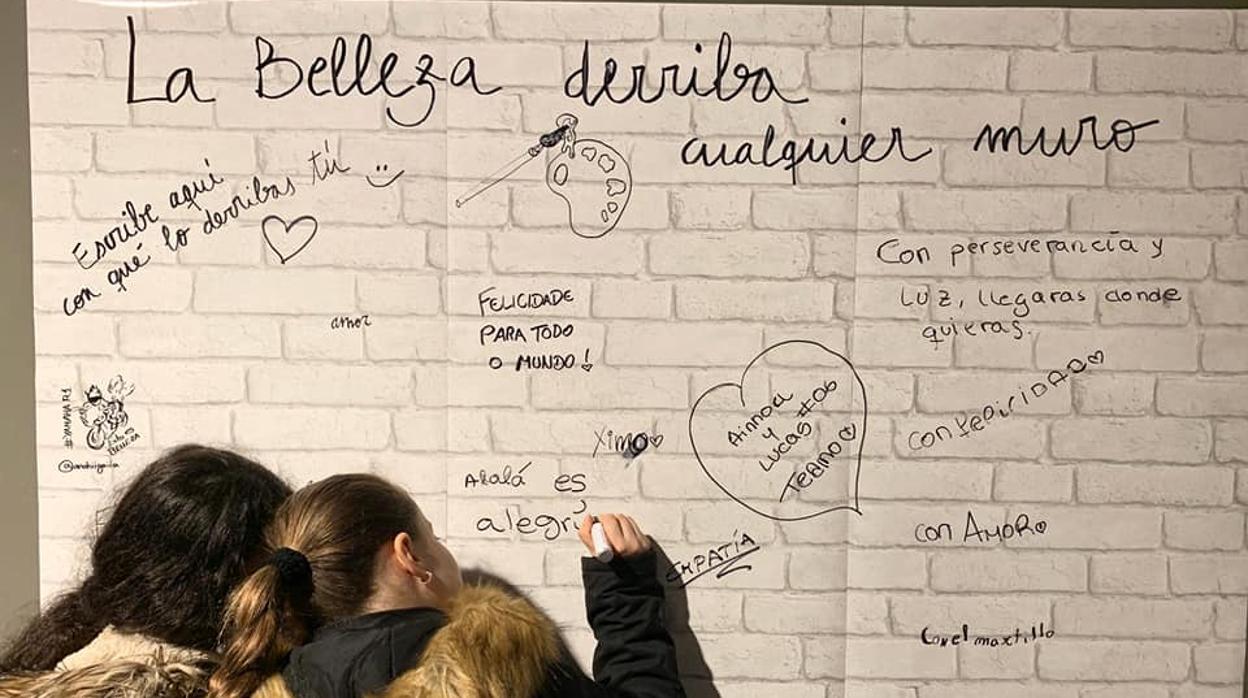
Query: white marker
x=602, y=549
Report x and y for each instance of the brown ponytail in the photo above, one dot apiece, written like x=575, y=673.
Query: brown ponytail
x=322, y=546
x=265, y=621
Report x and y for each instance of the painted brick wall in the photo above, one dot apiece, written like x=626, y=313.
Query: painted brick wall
x=1137, y=465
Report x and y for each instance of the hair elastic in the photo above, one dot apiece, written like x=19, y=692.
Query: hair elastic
x=293, y=567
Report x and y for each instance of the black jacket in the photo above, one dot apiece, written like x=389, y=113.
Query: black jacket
x=492, y=644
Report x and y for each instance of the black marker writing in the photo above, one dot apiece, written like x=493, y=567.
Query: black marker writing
x=790, y=154
x=337, y=77
x=759, y=81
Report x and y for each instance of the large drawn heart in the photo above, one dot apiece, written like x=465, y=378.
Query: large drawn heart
x=288, y=239
x=786, y=441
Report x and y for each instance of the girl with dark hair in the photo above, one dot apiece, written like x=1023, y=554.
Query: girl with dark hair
x=147, y=620
x=360, y=598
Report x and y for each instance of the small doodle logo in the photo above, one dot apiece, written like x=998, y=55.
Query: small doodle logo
x=105, y=417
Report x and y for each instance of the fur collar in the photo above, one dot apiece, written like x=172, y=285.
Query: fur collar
x=494, y=645
x=117, y=665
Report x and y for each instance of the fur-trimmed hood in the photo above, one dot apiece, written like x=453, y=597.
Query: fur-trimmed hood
x=117, y=665
x=493, y=645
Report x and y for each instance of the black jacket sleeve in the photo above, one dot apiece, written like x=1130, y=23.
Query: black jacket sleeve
x=635, y=656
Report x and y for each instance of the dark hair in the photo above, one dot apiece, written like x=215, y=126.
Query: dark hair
x=181, y=536
x=328, y=535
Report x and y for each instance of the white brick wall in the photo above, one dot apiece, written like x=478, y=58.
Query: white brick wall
x=1138, y=466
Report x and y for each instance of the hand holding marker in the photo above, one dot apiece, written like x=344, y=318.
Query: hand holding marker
x=613, y=535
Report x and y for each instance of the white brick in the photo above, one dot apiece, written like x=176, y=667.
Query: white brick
x=311, y=428
x=1133, y=618
x=1155, y=484
x=1113, y=661
x=989, y=689
x=399, y=294
x=1142, y=439
x=1217, y=121
x=174, y=381
x=930, y=481
x=1220, y=166
x=1223, y=663
x=205, y=17
x=1224, y=351
x=867, y=25
x=286, y=291
x=1172, y=214
x=1002, y=571
x=1050, y=71
x=619, y=387
x=1169, y=350
x=1085, y=168
x=1195, y=29
x=720, y=208
x=771, y=254
x=886, y=569
x=773, y=24
x=69, y=14
x=404, y=339
x=172, y=425
x=897, y=658
x=822, y=613
x=994, y=211
x=285, y=17
x=1114, y=394
x=631, y=299
x=1202, y=397
x=319, y=384
x=199, y=337
x=996, y=27
x=60, y=150
x=1232, y=440
x=786, y=301
x=685, y=344
x=1147, y=166
x=800, y=210
x=1209, y=574
x=1229, y=615
x=818, y=569
x=459, y=20
x=1187, y=73
x=566, y=254
x=58, y=101
x=1204, y=531
x=738, y=655
x=585, y=22
x=64, y=54
x=1025, y=482
x=927, y=69
x=1129, y=573
x=1222, y=304
x=312, y=338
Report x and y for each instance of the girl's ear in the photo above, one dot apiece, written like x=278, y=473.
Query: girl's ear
x=403, y=550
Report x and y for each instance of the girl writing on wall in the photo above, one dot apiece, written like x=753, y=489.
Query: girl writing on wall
x=361, y=598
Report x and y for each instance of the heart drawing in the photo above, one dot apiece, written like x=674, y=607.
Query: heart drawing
x=786, y=440
x=288, y=239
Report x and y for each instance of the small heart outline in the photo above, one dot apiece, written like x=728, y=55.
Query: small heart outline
x=286, y=228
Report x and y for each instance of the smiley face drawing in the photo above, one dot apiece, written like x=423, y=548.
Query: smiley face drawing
x=381, y=171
